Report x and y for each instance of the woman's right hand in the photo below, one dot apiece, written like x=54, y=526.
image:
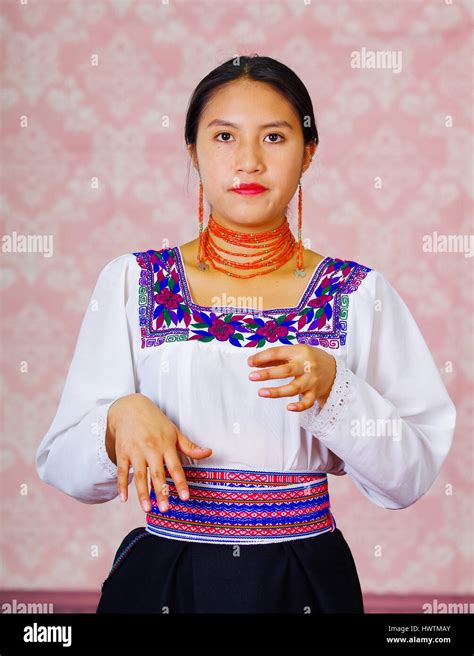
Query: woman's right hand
x=141, y=435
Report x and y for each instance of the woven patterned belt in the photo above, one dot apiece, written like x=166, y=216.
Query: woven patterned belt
x=239, y=506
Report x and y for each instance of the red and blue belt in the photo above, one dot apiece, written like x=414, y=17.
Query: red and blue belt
x=243, y=506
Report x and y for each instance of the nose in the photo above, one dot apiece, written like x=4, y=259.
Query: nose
x=248, y=159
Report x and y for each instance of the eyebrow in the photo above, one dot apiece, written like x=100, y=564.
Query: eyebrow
x=274, y=124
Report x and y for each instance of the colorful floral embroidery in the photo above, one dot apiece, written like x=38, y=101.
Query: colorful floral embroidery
x=168, y=313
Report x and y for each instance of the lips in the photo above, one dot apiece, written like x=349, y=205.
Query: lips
x=249, y=189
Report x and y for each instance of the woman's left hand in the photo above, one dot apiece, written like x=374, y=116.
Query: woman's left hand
x=313, y=368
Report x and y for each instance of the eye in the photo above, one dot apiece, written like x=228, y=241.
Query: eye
x=218, y=135
x=274, y=134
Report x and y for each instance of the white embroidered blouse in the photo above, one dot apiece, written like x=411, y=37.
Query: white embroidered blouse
x=388, y=421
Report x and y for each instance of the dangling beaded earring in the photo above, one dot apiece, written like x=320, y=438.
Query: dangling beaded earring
x=201, y=265
x=299, y=271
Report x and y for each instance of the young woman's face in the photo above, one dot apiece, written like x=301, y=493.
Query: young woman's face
x=246, y=152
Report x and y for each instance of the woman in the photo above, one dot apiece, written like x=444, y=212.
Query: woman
x=238, y=518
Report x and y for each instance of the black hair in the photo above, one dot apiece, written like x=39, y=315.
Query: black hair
x=260, y=69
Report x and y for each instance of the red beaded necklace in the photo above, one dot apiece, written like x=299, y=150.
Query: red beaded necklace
x=278, y=247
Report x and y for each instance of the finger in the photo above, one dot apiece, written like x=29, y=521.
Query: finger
x=291, y=389
x=306, y=401
x=187, y=447
x=272, y=363
x=123, y=471
x=158, y=477
x=277, y=353
x=176, y=471
x=286, y=370
x=140, y=477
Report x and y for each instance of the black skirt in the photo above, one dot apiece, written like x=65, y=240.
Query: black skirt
x=154, y=574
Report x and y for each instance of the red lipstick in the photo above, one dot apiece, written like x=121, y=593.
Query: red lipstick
x=249, y=189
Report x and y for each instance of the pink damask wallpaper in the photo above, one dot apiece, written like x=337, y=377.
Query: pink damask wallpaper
x=93, y=159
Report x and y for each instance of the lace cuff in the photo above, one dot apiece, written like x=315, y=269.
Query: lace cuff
x=101, y=451
x=321, y=421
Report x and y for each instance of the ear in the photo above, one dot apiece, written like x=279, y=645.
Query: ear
x=309, y=150
x=192, y=154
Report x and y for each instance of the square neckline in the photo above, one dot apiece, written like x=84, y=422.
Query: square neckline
x=315, y=276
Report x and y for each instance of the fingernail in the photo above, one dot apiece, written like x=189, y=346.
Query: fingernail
x=264, y=392
x=122, y=496
x=163, y=506
x=145, y=505
x=184, y=494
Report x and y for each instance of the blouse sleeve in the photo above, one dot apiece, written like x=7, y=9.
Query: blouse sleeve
x=388, y=415
x=72, y=455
